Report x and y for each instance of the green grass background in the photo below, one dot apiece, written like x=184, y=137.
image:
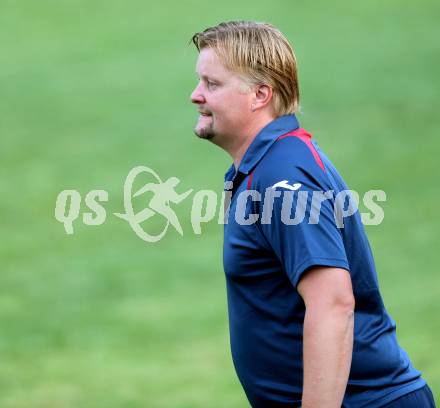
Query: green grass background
x=90, y=89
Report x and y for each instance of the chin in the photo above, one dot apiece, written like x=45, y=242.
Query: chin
x=205, y=133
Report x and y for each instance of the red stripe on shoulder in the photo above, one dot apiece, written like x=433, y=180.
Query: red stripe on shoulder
x=250, y=180
x=307, y=139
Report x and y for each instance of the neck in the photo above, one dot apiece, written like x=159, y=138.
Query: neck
x=240, y=143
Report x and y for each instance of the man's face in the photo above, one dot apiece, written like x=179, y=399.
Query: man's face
x=223, y=99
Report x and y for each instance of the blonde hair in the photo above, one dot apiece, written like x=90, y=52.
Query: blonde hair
x=261, y=54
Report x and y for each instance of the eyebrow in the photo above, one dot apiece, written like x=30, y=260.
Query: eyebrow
x=207, y=77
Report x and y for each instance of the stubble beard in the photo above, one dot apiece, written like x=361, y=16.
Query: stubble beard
x=207, y=132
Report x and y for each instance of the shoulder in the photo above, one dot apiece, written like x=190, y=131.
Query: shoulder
x=293, y=159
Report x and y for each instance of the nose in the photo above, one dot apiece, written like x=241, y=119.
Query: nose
x=197, y=96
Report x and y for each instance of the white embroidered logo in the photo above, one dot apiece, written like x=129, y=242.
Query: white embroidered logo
x=285, y=184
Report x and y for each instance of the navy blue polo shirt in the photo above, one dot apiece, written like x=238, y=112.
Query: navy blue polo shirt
x=275, y=231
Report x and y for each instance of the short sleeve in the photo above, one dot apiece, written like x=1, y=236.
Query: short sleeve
x=296, y=217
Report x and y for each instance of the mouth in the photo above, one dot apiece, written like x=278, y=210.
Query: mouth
x=205, y=125
x=204, y=113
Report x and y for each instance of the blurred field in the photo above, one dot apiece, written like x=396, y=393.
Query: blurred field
x=90, y=89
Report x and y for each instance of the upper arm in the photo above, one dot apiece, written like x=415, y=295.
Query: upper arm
x=302, y=234
x=326, y=286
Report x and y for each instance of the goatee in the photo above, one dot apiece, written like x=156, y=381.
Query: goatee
x=205, y=133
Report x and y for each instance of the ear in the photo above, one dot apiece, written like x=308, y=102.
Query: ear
x=263, y=96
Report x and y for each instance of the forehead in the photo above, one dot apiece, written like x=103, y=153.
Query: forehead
x=209, y=64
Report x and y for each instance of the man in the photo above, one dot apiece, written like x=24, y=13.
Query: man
x=307, y=322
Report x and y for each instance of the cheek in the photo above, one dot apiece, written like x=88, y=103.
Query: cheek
x=240, y=109
x=234, y=106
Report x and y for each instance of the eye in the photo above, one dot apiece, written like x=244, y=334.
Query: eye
x=210, y=84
